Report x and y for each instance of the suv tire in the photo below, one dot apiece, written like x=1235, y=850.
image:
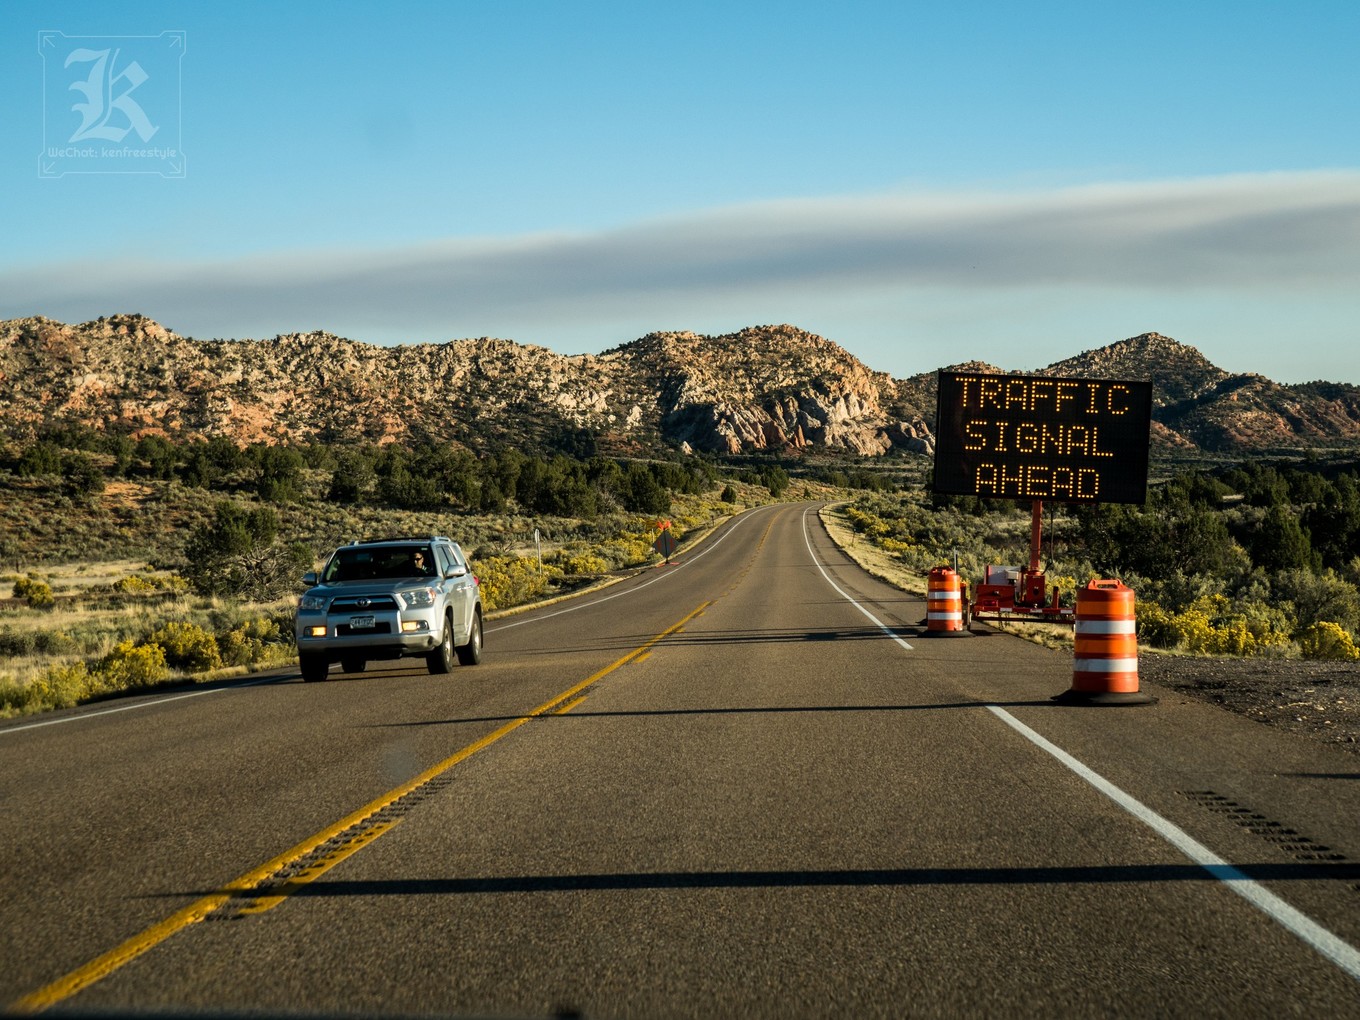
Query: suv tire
x=314, y=667
x=471, y=653
x=441, y=659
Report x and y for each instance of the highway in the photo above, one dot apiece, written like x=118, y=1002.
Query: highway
x=746, y=784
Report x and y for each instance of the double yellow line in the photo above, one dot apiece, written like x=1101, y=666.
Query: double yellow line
x=102, y=966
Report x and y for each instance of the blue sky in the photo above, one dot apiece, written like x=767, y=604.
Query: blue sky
x=922, y=183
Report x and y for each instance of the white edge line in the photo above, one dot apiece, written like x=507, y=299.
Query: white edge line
x=1334, y=948
x=150, y=703
x=817, y=563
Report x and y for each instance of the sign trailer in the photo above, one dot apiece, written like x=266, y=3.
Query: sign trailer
x=1039, y=438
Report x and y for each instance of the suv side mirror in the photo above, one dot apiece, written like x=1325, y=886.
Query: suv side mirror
x=457, y=570
x=309, y=577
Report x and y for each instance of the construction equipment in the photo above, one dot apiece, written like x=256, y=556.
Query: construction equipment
x=1020, y=593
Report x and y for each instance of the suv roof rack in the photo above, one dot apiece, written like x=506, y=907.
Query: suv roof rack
x=402, y=538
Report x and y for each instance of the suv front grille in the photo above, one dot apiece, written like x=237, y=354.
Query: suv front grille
x=348, y=605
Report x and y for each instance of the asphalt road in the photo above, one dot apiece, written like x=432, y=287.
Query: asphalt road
x=742, y=785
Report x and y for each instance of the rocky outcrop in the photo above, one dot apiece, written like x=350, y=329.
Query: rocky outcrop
x=775, y=388
x=765, y=388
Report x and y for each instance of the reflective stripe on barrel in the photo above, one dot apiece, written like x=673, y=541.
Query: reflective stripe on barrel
x=944, y=608
x=1105, y=642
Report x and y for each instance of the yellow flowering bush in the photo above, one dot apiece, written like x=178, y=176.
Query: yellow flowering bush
x=1208, y=626
x=259, y=639
x=37, y=593
x=511, y=580
x=129, y=666
x=867, y=523
x=1327, y=640
x=187, y=646
x=134, y=584
x=577, y=563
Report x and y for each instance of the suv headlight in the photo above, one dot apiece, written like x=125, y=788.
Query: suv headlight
x=313, y=602
x=418, y=598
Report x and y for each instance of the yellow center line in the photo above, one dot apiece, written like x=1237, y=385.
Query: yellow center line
x=570, y=705
x=315, y=871
x=102, y=966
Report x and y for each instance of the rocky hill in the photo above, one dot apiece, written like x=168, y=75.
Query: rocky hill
x=763, y=388
x=771, y=387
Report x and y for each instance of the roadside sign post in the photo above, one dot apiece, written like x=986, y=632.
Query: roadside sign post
x=665, y=541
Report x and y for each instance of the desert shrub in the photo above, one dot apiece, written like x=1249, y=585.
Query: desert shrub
x=867, y=523
x=258, y=639
x=81, y=476
x=729, y=494
x=1211, y=625
x=55, y=642
x=576, y=563
x=510, y=580
x=20, y=698
x=1326, y=640
x=129, y=666
x=1176, y=590
x=37, y=593
x=1157, y=627
x=187, y=646
x=134, y=584
x=776, y=479
x=1319, y=597
x=628, y=549
x=61, y=686
x=14, y=643
x=238, y=554
x=1066, y=587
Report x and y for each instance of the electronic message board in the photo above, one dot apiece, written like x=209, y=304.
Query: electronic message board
x=1041, y=437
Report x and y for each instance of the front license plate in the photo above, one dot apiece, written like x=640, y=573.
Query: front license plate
x=361, y=623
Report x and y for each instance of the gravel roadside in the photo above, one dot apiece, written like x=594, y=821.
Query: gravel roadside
x=1319, y=700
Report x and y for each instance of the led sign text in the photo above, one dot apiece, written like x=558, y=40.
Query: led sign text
x=1038, y=437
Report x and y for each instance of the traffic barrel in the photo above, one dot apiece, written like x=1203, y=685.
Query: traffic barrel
x=1105, y=648
x=944, y=604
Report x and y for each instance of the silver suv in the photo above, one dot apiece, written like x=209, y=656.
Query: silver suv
x=389, y=599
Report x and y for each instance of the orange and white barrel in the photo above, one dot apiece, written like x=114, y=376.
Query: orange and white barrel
x=1105, y=647
x=944, y=602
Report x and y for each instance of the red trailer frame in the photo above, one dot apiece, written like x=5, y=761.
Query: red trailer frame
x=1023, y=597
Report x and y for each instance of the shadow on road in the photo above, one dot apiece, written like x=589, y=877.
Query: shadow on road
x=760, y=710
x=870, y=877
x=793, y=635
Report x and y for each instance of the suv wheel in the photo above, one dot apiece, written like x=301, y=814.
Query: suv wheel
x=441, y=659
x=314, y=667
x=471, y=653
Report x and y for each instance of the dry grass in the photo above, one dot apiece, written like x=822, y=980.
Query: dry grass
x=79, y=577
x=877, y=562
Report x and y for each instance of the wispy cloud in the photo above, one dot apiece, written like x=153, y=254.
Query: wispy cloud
x=1285, y=232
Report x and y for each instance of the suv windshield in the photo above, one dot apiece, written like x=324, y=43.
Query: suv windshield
x=370, y=562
